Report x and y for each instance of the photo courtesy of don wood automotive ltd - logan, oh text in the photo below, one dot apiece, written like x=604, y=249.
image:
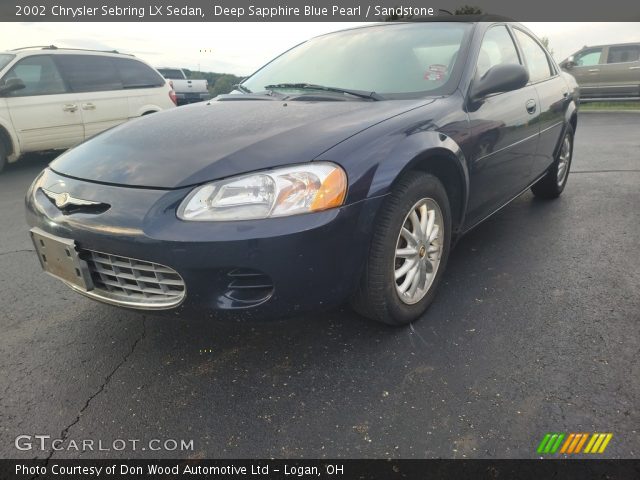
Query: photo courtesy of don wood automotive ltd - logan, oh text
x=395, y=240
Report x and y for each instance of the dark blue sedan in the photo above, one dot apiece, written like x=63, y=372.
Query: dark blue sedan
x=342, y=171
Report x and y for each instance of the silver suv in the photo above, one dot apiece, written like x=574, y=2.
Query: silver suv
x=606, y=71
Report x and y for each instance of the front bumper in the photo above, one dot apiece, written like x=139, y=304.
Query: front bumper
x=271, y=267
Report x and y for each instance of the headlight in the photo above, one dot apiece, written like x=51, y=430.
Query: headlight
x=306, y=188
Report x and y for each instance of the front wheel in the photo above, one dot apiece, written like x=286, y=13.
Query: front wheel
x=3, y=156
x=408, y=252
x=553, y=183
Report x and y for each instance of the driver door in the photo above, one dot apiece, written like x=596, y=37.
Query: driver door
x=504, y=130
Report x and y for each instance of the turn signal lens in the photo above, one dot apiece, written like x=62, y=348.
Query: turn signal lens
x=332, y=191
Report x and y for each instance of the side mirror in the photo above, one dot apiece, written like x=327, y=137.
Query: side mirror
x=499, y=78
x=570, y=62
x=11, y=85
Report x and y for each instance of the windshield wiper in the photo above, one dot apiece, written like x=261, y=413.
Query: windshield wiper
x=242, y=88
x=311, y=86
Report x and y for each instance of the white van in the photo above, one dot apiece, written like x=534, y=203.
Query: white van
x=53, y=98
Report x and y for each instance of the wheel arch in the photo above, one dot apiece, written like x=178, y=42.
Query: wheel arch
x=443, y=158
x=145, y=109
x=440, y=164
x=9, y=143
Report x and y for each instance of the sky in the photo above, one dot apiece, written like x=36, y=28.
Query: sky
x=241, y=48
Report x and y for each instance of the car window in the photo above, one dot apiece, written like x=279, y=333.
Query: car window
x=535, y=57
x=171, y=73
x=135, y=74
x=624, y=53
x=393, y=60
x=40, y=77
x=497, y=49
x=588, y=57
x=89, y=73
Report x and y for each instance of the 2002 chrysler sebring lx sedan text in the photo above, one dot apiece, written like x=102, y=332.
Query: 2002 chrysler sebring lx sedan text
x=342, y=170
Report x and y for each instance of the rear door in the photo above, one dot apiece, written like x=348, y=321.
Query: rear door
x=504, y=130
x=552, y=99
x=620, y=75
x=94, y=78
x=45, y=115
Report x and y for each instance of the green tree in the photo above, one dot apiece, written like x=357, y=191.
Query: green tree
x=545, y=42
x=224, y=84
x=468, y=10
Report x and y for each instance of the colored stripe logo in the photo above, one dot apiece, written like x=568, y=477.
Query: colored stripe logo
x=573, y=443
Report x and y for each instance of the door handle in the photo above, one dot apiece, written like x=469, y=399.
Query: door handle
x=634, y=68
x=70, y=107
x=88, y=106
x=593, y=70
x=531, y=106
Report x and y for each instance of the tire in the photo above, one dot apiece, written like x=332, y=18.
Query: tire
x=3, y=156
x=379, y=296
x=553, y=183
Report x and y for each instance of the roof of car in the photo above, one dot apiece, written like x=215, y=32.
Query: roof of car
x=53, y=48
x=629, y=44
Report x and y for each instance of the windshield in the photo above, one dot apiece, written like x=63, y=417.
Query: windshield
x=392, y=60
x=5, y=58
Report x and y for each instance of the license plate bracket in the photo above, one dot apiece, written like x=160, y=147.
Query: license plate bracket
x=59, y=258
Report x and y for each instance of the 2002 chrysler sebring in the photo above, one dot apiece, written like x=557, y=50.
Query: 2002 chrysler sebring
x=343, y=170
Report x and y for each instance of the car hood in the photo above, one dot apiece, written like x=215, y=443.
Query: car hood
x=190, y=145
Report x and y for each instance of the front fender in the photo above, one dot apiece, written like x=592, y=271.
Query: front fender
x=377, y=157
x=415, y=152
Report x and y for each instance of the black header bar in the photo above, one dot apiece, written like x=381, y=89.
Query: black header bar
x=311, y=10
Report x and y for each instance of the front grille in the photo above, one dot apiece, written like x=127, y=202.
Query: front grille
x=134, y=283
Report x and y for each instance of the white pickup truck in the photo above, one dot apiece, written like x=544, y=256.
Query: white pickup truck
x=187, y=91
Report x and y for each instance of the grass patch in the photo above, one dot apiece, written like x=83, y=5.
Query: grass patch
x=631, y=105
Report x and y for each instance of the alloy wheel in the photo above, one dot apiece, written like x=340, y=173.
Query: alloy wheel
x=563, y=160
x=418, y=251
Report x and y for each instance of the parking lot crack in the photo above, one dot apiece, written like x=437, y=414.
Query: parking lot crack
x=17, y=251
x=65, y=432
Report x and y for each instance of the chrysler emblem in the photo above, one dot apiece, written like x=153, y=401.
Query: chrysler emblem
x=63, y=200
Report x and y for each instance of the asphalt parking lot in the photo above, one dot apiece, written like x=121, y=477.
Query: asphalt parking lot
x=536, y=329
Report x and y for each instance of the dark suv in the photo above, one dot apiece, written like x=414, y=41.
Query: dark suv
x=606, y=71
